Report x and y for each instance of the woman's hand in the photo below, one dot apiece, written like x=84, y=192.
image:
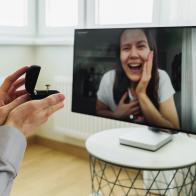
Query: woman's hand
x=28, y=116
x=124, y=110
x=146, y=75
x=9, y=89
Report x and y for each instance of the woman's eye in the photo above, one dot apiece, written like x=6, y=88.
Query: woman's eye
x=141, y=46
x=125, y=49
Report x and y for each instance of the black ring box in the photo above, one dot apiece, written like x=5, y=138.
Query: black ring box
x=30, y=81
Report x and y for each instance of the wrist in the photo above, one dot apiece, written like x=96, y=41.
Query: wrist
x=12, y=123
x=142, y=96
x=117, y=116
x=140, y=91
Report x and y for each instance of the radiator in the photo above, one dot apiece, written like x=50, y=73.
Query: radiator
x=77, y=125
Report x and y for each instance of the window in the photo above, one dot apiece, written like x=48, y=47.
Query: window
x=17, y=14
x=123, y=11
x=61, y=13
x=60, y=17
x=17, y=17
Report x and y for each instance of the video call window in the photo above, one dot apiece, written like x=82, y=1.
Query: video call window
x=98, y=55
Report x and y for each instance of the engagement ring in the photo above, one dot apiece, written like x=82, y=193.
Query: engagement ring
x=131, y=116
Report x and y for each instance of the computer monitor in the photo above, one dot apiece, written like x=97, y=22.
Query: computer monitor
x=142, y=75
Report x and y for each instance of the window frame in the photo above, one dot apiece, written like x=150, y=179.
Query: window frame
x=91, y=14
x=28, y=30
x=36, y=33
x=86, y=20
x=43, y=30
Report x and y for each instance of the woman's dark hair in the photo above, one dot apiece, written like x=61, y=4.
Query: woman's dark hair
x=122, y=83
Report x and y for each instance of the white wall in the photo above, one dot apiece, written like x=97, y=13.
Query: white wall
x=54, y=60
x=12, y=57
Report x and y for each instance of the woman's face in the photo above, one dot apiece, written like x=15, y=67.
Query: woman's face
x=134, y=51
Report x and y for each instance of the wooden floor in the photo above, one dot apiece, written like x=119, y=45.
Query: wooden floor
x=45, y=171
x=49, y=172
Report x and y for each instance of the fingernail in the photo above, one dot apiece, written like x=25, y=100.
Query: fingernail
x=61, y=96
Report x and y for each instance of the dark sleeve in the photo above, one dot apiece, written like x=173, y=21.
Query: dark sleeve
x=12, y=148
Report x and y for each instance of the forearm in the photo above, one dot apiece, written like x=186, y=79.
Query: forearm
x=151, y=113
x=12, y=147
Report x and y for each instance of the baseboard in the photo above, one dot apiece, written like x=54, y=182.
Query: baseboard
x=31, y=140
x=60, y=146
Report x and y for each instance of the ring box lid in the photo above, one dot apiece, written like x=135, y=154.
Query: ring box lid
x=31, y=78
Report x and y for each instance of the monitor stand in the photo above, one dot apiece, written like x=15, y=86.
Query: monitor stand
x=146, y=138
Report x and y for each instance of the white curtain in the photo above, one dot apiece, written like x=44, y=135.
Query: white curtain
x=194, y=79
x=187, y=80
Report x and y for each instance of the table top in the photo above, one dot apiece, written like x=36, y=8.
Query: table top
x=178, y=153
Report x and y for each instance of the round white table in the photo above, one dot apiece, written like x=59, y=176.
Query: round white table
x=123, y=170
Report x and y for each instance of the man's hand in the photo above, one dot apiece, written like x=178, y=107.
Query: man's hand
x=28, y=116
x=6, y=109
x=8, y=90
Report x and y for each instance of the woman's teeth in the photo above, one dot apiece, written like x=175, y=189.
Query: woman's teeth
x=134, y=65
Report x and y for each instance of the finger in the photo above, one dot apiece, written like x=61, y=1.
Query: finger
x=54, y=108
x=12, y=105
x=20, y=93
x=144, y=71
x=133, y=103
x=2, y=103
x=16, y=102
x=122, y=100
x=50, y=100
x=149, y=63
x=12, y=78
x=18, y=83
x=135, y=108
x=137, y=111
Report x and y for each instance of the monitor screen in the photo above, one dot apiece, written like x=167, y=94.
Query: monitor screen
x=138, y=75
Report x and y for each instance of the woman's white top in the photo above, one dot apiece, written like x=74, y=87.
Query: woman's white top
x=105, y=91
